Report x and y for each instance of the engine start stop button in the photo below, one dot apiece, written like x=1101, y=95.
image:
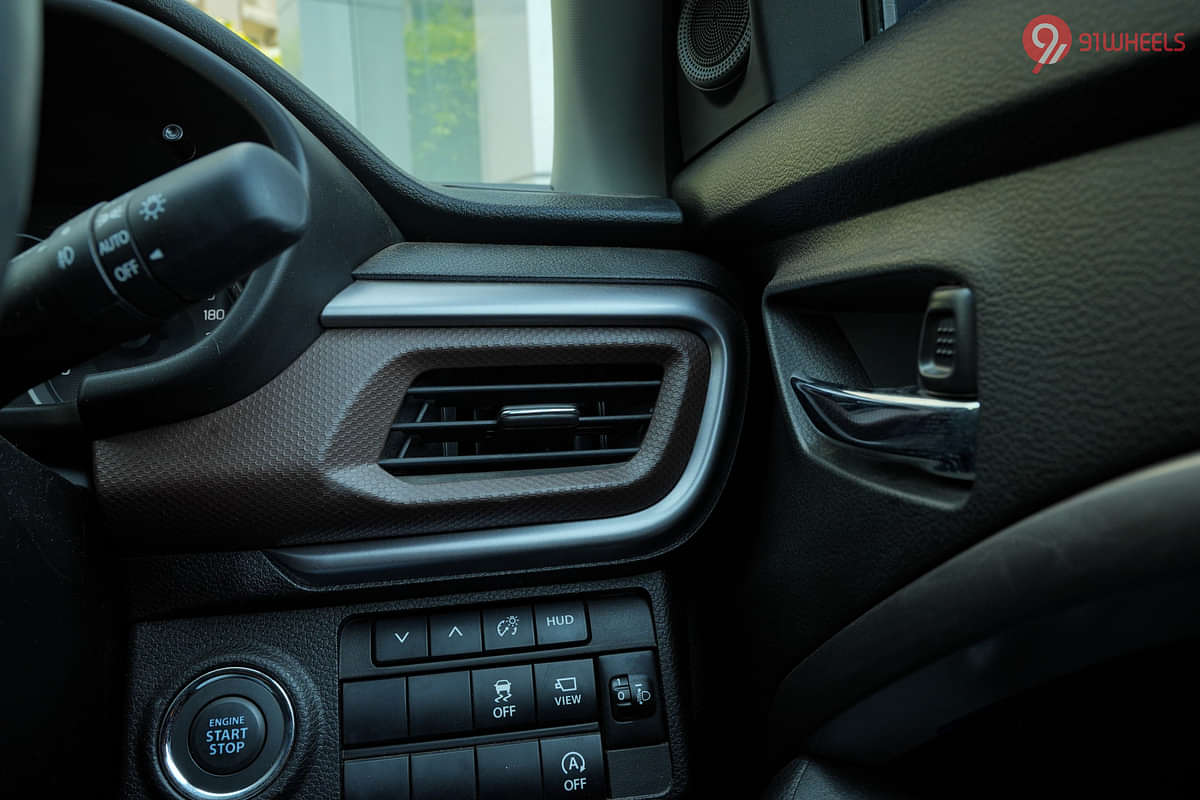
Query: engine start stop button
x=227, y=735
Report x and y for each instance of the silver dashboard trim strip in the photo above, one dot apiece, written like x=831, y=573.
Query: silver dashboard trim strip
x=400, y=303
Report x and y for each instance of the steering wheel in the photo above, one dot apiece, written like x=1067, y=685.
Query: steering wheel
x=21, y=66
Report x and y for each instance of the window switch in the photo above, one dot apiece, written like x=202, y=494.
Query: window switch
x=632, y=696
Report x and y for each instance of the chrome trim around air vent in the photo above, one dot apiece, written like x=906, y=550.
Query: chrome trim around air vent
x=424, y=304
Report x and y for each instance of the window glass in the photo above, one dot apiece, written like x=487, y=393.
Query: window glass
x=453, y=91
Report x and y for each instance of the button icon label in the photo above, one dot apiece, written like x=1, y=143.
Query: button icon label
x=111, y=243
x=126, y=271
x=401, y=639
x=573, y=761
x=455, y=631
x=153, y=206
x=503, y=689
x=567, y=688
x=508, y=626
x=560, y=619
x=226, y=735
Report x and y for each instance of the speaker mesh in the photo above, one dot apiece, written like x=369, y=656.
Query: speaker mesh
x=713, y=41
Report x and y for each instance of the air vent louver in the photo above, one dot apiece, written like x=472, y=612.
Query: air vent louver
x=472, y=420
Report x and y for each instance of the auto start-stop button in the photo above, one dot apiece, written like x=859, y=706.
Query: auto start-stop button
x=227, y=735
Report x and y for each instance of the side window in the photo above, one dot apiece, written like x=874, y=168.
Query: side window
x=453, y=91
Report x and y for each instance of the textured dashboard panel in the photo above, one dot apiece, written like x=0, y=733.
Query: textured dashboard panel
x=295, y=462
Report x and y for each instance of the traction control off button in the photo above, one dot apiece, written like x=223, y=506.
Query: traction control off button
x=227, y=735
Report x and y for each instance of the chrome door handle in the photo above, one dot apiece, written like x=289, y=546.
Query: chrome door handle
x=932, y=433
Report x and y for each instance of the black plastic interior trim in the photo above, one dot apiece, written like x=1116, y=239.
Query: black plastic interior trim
x=928, y=702
x=425, y=211
x=442, y=261
x=442, y=464
x=1129, y=533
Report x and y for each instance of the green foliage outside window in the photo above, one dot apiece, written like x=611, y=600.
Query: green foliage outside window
x=443, y=90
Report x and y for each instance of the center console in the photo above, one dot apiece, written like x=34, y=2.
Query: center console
x=563, y=691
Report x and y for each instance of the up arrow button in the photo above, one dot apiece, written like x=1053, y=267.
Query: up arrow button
x=455, y=633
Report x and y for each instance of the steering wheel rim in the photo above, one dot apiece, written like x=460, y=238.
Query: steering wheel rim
x=20, y=93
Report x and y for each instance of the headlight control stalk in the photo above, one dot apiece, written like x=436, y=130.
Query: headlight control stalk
x=119, y=269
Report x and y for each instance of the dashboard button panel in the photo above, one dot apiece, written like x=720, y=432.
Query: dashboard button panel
x=469, y=632
x=527, y=694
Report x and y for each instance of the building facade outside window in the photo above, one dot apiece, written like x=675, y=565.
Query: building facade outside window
x=452, y=91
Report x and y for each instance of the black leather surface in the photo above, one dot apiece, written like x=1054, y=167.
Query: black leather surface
x=1085, y=277
x=946, y=97
x=420, y=210
x=809, y=779
x=300, y=649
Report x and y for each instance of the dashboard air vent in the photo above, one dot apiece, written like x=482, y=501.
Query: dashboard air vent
x=473, y=420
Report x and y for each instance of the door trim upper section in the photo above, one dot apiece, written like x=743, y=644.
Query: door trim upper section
x=944, y=99
x=641, y=534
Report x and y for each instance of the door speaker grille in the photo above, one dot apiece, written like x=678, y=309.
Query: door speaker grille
x=713, y=41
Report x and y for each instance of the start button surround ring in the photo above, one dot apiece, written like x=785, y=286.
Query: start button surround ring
x=185, y=775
